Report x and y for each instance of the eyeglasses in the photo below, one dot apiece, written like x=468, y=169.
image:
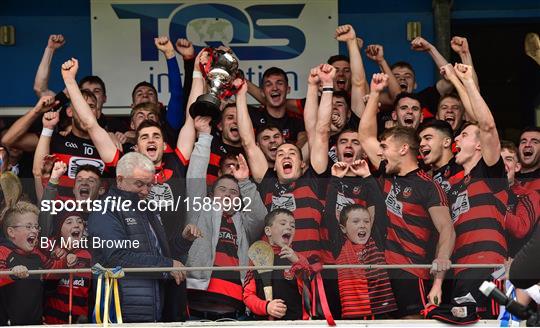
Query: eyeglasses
x=28, y=227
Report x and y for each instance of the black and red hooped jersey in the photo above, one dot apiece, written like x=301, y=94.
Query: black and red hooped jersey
x=57, y=304
x=410, y=228
x=479, y=204
x=448, y=175
x=302, y=197
x=222, y=282
x=73, y=151
x=530, y=180
x=290, y=125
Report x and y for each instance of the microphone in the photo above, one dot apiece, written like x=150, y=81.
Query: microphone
x=489, y=289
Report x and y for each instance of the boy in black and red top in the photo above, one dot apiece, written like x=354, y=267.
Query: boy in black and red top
x=21, y=299
x=354, y=239
x=416, y=208
x=529, y=155
x=286, y=303
x=69, y=231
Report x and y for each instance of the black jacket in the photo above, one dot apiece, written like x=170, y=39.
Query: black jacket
x=141, y=295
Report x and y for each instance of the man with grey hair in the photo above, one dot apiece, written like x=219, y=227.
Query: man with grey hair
x=138, y=239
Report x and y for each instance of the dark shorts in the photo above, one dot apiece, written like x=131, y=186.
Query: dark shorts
x=410, y=292
x=466, y=284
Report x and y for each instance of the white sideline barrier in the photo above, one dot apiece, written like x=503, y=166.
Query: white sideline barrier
x=299, y=323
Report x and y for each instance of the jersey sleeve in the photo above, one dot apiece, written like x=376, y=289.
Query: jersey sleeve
x=251, y=300
x=4, y=253
x=433, y=194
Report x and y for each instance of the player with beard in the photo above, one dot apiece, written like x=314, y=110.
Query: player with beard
x=523, y=203
x=436, y=151
x=275, y=87
x=479, y=205
x=529, y=155
x=416, y=208
x=226, y=143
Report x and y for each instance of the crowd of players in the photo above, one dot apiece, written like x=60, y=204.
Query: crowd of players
x=358, y=172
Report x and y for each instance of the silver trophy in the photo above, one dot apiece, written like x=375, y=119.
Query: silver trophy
x=220, y=71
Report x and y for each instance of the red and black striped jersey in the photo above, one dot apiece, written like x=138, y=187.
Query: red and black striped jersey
x=522, y=216
x=218, y=149
x=410, y=227
x=57, y=303
x=303, y=198
x=479, y=204
x=448, y=175
x=227, y=283
x=73, y=151
x=363, y=292
x=530, y=180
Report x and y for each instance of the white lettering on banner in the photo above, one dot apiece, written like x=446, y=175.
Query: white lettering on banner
x=461, y=205
x=393, y=204
x=262, y=33
x=75, y=162
x=286, y=201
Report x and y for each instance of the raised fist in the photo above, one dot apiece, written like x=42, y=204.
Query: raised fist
x=58, y=170
x=202, y=124
x=50, y=119
x=240, y=85
x=185, y=48
x=55, y=41
x=448, y=72
x=464, y=72
x=345, y=33
x=326, y=74
x=47, y=165
x=45, y=104
x=165, y=46
x=313, y=77
x=70, y=68
x=459, y=44
x=201, y=59
x=379, y=81
x=420, y=44
x=375, y=52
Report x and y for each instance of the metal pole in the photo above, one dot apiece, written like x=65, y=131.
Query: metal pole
x=441, y=20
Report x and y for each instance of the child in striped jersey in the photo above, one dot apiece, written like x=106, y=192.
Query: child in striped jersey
x=364, y=293
x=287, y=300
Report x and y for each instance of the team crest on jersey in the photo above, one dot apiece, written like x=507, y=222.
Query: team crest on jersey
x=461, y=205
x=356, y=190
x=286, y=201
x=393, y=204
x=447, y=172
x=160, y=192
x=286, y=133
x=407, y=192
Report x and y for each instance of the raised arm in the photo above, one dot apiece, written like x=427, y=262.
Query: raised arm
x=312, y=103
x=489, y=137
x=41, y=81
x=375, y=52
x=359, y=87
x=175, y=108
x=257, y=161
x=17, y=135
x=367, y=129
x=45, y=218
x=186, y=50
x=104, y=144
x=420, y=44
x=319, y=144
x=448, y=72
x=461, y=46
x=50, y=120
x=188, y=134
